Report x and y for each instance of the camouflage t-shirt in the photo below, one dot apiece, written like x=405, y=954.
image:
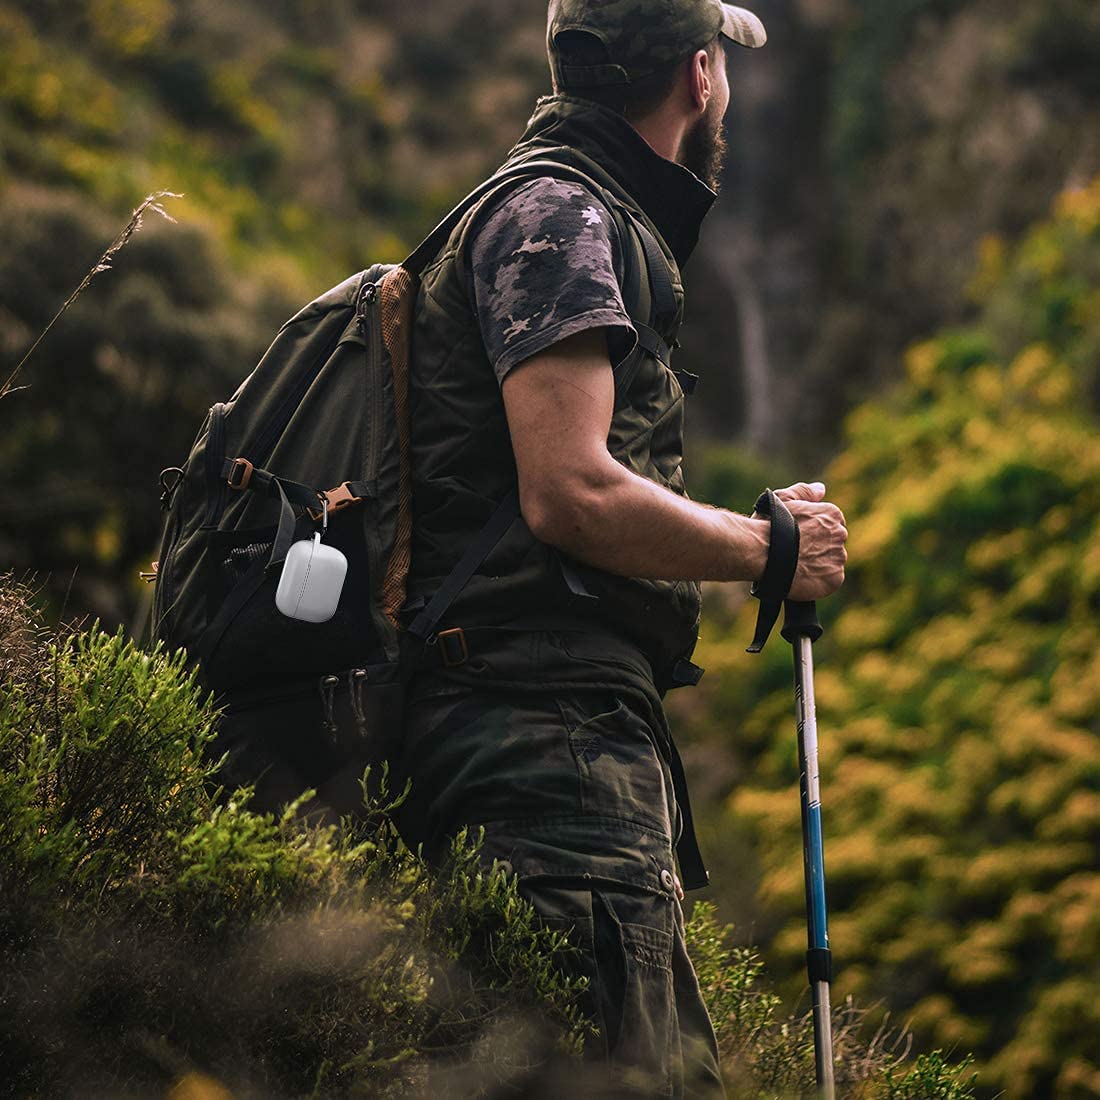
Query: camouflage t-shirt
x=547, y=264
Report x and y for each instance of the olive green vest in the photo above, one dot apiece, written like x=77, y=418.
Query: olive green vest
x=460, y=448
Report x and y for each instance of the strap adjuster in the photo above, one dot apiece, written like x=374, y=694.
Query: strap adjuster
x=453, y=649
x=338, y=499
x=240, y=474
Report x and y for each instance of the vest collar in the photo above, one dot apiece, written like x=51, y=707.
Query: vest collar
x=675, y=199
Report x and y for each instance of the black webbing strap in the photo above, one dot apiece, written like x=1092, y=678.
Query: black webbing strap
x=772, y=588
x=250, y=583
x=637, y=296
x=658, y=302
x=428, y=248
x=502, y=518
x=692, y=869
x=652, y=341
x=305, y=496
x=660, y=281
x=687, y=380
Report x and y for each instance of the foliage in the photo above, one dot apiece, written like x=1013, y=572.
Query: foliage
x=150, y=928
x=768, y=1053
x=958, y=687
x=82, y=444
x=930, y=1078
x=946, y=121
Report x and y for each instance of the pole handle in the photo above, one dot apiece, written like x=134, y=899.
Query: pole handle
x=800, y=619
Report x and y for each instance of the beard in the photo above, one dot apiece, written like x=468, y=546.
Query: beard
x=703, y=150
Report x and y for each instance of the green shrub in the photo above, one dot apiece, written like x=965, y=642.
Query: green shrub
x=768, y=1053
x=149, y=929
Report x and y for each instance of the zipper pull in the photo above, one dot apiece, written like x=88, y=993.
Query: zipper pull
x=366, y=298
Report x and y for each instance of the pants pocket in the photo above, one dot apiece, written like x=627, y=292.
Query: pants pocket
x=620, y=772
x=633, y=944
x=568, y=909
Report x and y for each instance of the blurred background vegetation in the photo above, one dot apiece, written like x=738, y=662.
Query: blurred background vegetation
x=902, y=282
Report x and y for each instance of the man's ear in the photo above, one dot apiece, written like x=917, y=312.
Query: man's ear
x=701, y=80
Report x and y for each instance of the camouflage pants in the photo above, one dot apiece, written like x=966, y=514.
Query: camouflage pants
x=555, y=742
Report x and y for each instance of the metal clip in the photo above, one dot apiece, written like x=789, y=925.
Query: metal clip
x=328, y=700
x=356, y=678
x=169, y=482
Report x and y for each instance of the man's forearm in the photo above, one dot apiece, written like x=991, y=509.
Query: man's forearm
x=629, y=525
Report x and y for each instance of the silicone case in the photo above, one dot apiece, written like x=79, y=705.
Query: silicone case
x=311, y=582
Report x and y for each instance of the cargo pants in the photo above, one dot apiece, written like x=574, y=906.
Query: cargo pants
x=556, y=744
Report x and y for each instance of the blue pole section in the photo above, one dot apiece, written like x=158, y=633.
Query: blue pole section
x=818, y=957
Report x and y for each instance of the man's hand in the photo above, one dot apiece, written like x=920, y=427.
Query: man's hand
x=822, y=534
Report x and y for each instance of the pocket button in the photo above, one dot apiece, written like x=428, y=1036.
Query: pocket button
x=668, y=881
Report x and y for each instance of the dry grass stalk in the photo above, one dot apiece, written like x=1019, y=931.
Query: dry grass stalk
x=151, y=202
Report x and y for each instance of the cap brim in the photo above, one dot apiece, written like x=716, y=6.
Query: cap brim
x=744, y=28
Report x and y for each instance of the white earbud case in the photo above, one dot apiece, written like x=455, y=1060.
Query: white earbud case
x=311, y=582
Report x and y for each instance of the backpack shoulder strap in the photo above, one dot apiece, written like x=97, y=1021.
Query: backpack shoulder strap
x=424, y=253
x=651, y=302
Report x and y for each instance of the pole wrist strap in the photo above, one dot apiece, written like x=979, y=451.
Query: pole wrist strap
x=772, y=587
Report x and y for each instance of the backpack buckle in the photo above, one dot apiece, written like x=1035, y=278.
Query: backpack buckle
x=240, y=474
x=452, y=647
x=336, y=500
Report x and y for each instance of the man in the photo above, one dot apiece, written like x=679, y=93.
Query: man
x=539, y=716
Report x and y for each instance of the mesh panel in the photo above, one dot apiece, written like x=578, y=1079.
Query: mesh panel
x=399, y=290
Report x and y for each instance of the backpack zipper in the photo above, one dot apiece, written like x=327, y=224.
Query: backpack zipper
x=216, y=486
x=265, y=442
x=368, y=299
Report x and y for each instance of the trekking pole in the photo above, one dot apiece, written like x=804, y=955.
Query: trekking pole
x=801, y=628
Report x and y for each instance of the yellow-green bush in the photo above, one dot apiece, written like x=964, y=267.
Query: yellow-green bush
x=959, y=684
x=150, y=928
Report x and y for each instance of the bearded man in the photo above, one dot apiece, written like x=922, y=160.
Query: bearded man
x=541, y=359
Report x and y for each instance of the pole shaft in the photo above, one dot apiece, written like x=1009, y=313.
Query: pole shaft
x=813, y=858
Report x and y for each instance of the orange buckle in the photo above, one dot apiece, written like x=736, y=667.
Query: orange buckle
x=338, y=499
x=452, y=647
x=240, y=474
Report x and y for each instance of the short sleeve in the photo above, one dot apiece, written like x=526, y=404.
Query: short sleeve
x=547, y=264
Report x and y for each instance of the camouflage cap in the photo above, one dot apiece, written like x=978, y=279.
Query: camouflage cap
x=640, y=37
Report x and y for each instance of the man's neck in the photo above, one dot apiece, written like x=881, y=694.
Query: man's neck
x=663, y=132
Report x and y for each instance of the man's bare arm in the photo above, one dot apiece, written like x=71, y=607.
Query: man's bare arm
x=575, y=496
